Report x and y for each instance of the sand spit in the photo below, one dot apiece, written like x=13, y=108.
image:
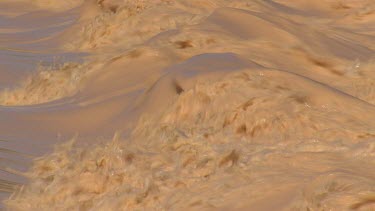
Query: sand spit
x=218, y=105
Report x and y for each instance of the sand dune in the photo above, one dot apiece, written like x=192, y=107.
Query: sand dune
x=187, y=105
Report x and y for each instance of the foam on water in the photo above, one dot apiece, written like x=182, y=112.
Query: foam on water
x=216, y=105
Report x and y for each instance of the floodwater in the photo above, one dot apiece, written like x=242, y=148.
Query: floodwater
x=187, y=105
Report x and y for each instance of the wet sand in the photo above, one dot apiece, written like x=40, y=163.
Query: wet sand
x=187, y=105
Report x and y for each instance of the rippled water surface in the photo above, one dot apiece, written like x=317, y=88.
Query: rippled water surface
x=187, y=105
